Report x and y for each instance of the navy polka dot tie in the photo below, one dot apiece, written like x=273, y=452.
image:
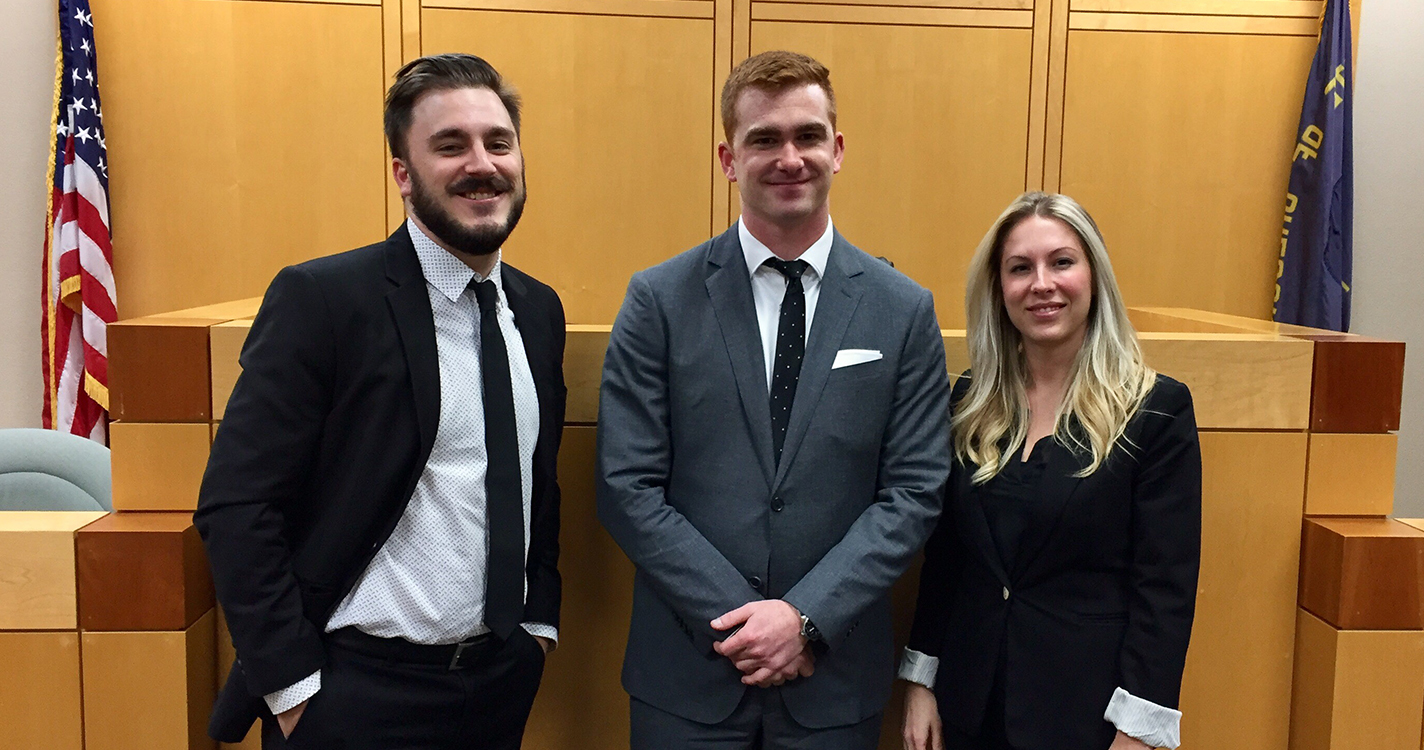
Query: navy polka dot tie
x=790, y=348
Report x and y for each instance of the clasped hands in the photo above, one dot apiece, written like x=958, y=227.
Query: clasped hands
x=768, y=648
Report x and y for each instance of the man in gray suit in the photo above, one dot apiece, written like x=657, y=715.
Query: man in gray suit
x=773, y=446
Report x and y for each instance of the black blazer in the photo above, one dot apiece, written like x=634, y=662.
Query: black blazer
x=1100, y=595
x=325, y=435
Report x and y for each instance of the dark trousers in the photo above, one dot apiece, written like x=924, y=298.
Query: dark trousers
x=372, y=703
x=760, y=722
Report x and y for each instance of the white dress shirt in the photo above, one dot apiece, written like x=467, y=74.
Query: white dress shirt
x=769, y=286
x=427, y=582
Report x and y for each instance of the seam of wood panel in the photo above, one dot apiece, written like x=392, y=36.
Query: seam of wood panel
x=641, y=8
x=741, y=50
x=1281, y=8
x=390, y=64
x=1057, y=95
x=722, y=55
x=861, y=14
x=1252, y=25
x=1037, y=96
x=965, y=4
x=410, y=30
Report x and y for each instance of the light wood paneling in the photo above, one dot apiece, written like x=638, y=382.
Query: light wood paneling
x=815, y=13
x=616, y=147
x=1363, y=573
x=39, y=692
x=1206, y=24
x=149, y=691
x=1351, y=474
x=243, y=136
x=936, y=126
x=1285, y=8
x=986, y=4
x=224, y=345
x=1237, y=689
x=583, y=371
x=643, y=8
x=1245, y=381
x=1178, y=144
x=580, y=703
x=37, y=569
x=158, y=466
x=1356, y=689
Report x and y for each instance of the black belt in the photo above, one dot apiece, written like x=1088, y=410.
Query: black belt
x=451, y=656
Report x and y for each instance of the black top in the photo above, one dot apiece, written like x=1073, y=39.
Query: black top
x=1008, y=498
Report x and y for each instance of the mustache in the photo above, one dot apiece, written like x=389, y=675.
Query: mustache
x=494, y=183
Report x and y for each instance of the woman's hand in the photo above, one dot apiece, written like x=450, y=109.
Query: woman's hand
x=922, y=729
x=1124, y=742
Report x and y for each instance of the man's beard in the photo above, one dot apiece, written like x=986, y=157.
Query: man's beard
x=480, y=240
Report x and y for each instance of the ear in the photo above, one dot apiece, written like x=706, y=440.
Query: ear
x=401, y=175
x=840, y=153
x=725, y=157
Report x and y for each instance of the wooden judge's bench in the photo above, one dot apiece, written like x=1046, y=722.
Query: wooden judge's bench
x=1309, y=632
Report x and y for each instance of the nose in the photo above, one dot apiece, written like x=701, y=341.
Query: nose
x=789, y=158
x=1041, y=281
x=479, y=162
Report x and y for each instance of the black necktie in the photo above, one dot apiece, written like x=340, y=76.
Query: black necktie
x=790, y=348
x=504, y=496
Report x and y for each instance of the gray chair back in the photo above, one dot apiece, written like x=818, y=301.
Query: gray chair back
x=48, y=470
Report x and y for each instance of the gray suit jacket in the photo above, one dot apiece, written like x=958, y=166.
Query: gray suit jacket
x=689, y=486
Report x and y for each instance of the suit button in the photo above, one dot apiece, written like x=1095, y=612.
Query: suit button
x=776, y=504
x=755, y=582
x=1006, y=593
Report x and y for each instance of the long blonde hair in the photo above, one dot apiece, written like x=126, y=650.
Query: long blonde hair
x=1108, y=381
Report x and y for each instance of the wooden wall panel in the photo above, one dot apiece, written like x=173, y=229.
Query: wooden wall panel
x=149, y=690
x=1179, y=145
x=37, y=578
x=39, y=693
x=1351, y=474
x=243, y=136
x=1237, y=689
x=158, y=466
x=1363, y=573
x=616, y=140
x=936, y=128
x=581, y=703
x=142, y=571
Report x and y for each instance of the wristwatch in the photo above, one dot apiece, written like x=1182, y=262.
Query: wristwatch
x=809, y=631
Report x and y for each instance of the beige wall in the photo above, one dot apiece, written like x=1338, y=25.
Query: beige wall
x=1389, y=218
x=27, y=33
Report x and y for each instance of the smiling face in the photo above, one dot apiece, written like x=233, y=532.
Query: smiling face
x=463, y=175
x=782, y=155
x=1047, y=283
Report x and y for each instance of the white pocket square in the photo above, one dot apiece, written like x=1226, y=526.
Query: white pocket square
x=848, y=357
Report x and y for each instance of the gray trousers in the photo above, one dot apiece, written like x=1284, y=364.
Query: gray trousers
x=760, y=722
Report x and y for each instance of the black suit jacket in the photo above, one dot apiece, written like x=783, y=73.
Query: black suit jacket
x=325, y=435
x=1101, y=593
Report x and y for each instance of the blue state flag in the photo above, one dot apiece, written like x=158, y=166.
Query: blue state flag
x=1313, y=273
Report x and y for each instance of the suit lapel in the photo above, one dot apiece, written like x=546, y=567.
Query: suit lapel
x=976, y=524
x=730, y=290
x=531, y=327
x=1055, y=489
x=410, y=307
x=838, y=298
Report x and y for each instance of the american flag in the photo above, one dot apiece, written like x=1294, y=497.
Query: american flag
x=79, y=300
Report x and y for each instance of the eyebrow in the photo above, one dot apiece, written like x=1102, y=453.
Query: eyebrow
x=818, y=128
x=498, y=131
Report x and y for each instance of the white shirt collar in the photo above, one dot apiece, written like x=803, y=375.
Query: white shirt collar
x=756, y=253
x=444, y=271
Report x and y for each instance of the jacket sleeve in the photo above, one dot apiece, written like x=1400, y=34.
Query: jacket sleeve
x=944, y=558
x=541, y=605
x=634, y=465
x=1166, y=528
x=260, y=463
x=914, y=468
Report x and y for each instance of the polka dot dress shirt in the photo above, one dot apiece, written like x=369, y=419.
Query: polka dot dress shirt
x=427, y=582
x=769, y=286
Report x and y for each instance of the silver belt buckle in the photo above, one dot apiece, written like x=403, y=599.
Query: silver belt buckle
x=459, y=649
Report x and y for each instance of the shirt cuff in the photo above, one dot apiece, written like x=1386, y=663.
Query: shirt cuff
x=543, y=631
x=919, y=668
x=1144, y=720
x=287, y=698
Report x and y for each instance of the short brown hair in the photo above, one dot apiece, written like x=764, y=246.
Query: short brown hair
x=440, y=73
x=773, y=72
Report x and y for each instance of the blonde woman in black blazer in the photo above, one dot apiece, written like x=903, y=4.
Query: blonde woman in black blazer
x=1057, y=594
